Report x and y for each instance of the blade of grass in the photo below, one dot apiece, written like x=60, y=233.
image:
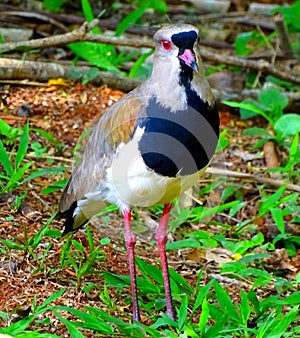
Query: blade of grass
x=22, y=150
x=5, y=161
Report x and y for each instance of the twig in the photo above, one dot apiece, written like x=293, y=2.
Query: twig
x=283, y=35
x=53, y=41
x=260, y=179
x=259, y=65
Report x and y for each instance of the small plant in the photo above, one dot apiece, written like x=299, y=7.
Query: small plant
x=29, y=244
x=270, y=105
x=19, y=328
x=104, y=56
x=248, y=42
x=14, y=169
x=9, y=135
x=13, y=161
x=74, y=254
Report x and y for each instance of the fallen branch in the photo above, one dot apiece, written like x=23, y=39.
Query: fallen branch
x=53, y=41
x=260, y=179
x=44, y=71
x=259, y=65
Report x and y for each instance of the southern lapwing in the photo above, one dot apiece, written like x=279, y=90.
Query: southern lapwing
x=149, y=147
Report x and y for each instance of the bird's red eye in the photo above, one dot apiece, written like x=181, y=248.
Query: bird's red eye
x=166, y=44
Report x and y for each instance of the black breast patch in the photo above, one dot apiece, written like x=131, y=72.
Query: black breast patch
x=179, y=143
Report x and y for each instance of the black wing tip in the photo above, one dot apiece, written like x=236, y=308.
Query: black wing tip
x=68, y=215
x=69, y=219
x=69, y=226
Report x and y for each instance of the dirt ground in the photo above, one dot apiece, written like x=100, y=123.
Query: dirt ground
x=65, y=112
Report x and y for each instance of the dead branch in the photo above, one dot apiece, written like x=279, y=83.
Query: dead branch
x=259, y=65
x=44, y=71
x=53, y=41
x=260, y=179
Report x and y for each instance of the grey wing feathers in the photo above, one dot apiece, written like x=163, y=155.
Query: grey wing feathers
x=113, y=128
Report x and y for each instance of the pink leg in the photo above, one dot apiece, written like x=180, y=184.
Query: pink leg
x=161, y=240
x=130, y=241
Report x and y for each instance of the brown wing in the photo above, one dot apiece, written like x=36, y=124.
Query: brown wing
x=114, y=127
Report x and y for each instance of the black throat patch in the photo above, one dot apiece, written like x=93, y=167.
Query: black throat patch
x=185, y=40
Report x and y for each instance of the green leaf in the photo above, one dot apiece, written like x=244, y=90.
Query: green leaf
x=278, y=218
x=54, y=187
x=130, y=19
x=180, y=282
x=78, y=245
x=74, y=332
x=52, y=298
x=12, y=245
x=280, y=326
x=19, y=326
x=116, y=281
x=150, y=271
x=236, y=208
x=183, y=243
x=47, y=136
x=5, y=160
x=256, y=131
x=287, y=125
x=53, y=5
x=100, y=55
x=254, y=300
x=88, y=14
x=201, y=295
x=203, y=317
x=271, y=201
x=90, y=321
x=214, y=330
x=249, y=105
x=183, y=311
x=157, y=5
x=274, y=100
x=241, y=42
x=8, y=131
x=22, y=150
x=228, y=192
x=225, y=302
x=245, y=309
x=138, y=64
x=105, y=241
x=17, y=175
x=42, y=172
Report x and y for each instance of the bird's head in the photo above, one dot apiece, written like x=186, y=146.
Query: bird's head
x=176, y=44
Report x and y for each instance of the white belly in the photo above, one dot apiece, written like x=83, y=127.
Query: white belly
x=131, y=183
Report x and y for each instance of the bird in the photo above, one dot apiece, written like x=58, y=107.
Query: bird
x=148, y=147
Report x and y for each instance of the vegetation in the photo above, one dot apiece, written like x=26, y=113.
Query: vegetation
x=249, y=289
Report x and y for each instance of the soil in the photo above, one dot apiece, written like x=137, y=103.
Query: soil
x=65, y=112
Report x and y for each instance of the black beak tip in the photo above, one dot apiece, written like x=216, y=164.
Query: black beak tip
x=194, y=66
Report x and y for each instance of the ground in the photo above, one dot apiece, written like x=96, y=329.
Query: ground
x=65, y=112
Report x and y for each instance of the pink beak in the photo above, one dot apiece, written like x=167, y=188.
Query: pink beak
x=188, y=57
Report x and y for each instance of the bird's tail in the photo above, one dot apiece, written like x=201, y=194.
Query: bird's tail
x=79, y=213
